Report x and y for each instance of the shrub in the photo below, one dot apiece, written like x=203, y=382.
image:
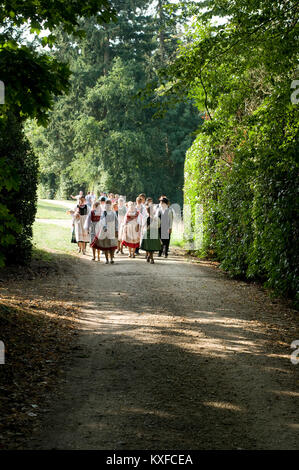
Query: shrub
x=250, y=204
x=18, y=184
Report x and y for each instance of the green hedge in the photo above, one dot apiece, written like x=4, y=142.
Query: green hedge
x=18, y=184
x=250, y=203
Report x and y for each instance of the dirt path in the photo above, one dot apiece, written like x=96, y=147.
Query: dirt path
x=172, y=356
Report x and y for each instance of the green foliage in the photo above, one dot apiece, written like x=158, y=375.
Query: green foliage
x=32, y=79
x=42, y=14
x=102, y=136
x=18, y=184
x=243, y=166
x=31, y=82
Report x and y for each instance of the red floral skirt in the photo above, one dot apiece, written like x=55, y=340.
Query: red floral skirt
x=131, y=245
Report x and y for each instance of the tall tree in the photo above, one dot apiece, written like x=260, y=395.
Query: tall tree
x=104, y=135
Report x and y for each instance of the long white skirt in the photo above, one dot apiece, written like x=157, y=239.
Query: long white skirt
x=121, y=219
x=130, y=237
x=80, y=233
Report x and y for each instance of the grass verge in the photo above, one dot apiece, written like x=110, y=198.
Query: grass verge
x=52, y=237
x=47, y=210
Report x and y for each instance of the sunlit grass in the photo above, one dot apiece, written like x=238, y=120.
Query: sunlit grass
x=48, y=210
x=52, y=237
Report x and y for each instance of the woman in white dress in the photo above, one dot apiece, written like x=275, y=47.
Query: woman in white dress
x=107, y=233
x=80, y=216
x=131, y=229
x=91, y=223
x=122, y=210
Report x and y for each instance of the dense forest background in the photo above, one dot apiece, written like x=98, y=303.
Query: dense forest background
x=106, y=133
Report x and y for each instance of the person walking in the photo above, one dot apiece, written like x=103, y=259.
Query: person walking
x=78, y=196
x=122, y=210
x=165, y=214
x=91, y=224
x=73, y=239
x=131, y=229
x=103, y=203
x=151, y=241
x=140, y=206
x=106, y=237
x=81, y=213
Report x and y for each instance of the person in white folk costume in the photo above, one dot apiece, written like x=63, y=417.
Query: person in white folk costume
x=140, y=206
x=131, y=229
x=91, y=224
x=122, y=210
x=103, y=203
x=80, y=216
x=107, y=232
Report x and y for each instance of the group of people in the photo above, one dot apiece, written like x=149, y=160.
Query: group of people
x=109, y=224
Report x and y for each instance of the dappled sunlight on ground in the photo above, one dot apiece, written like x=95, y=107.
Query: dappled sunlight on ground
x=224, y=406
x=174, y=355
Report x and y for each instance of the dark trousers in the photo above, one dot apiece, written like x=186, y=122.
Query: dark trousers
x=165, y=245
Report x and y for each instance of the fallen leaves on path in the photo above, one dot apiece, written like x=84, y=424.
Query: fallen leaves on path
x=38, y=332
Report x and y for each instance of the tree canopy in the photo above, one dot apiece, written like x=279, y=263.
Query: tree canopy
x=103, y=135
